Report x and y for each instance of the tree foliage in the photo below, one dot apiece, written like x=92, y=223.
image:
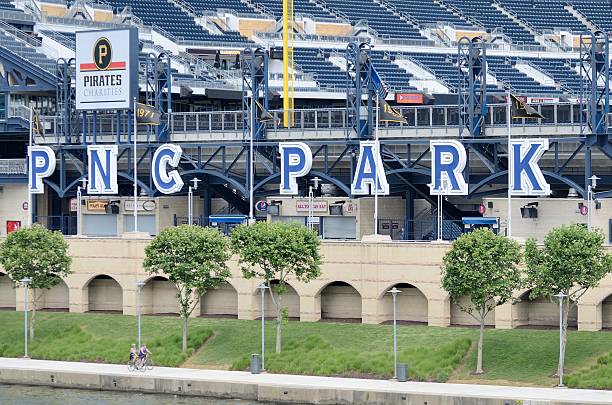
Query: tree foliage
x=483, y=267
x=38, y=254
x=194, y=259
x=275, y=251
x=571, y=261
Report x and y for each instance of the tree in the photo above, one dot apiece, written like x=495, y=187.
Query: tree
x=38, y=254
x=484, y=267
x=275, y=251
x=194, y=259
x=572, y=261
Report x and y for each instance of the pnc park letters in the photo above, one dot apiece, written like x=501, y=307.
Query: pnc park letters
x=448, y=161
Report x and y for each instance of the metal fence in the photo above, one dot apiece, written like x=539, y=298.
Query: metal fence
x=65, y=223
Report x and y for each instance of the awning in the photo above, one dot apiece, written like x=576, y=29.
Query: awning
x=480, y=220
x=227, y=219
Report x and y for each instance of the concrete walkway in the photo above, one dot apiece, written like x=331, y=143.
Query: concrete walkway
x=25, y=367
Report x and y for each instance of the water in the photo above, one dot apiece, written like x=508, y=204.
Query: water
x=25, y=395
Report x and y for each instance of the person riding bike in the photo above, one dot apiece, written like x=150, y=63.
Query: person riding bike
x=144, y=352
x=133, y=352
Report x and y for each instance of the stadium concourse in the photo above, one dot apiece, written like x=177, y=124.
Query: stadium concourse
x=214, y=69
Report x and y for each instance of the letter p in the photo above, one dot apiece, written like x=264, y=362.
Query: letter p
x=42, y=165
x=296, y=161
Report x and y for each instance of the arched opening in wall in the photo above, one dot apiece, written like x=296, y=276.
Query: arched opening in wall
x=541, y=312
x=55, y=299
x=8, y=294
x=158, y=297
x=105, y=295
x=289, y=300
x=606, y=312
x=222, y=302
x=340, y=302
x=411, y=305
x=461, y=318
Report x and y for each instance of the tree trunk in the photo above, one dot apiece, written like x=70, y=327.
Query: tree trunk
x=185, y=320
x=566, y=309
x=279, y=320
x=480, y=342
x=33, y=316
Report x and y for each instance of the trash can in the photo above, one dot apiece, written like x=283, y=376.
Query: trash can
x=255, y=364
x=402, y=372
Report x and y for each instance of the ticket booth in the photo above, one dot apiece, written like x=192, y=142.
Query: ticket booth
x=472, y=223
x=225, y=223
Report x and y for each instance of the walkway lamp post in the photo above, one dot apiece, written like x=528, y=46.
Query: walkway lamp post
x=262, y=289
x=195, y=181
x=311, y=194
x=25, y=282
x=590, y=191
x=80, y=189
x=139, y=286
x=560, y=296
x=394, y=291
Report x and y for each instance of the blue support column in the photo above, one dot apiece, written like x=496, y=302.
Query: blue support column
x=409, y=220
x=95, y=127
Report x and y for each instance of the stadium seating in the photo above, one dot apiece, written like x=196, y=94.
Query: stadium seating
x=428, y=12
x=28, y=53
x=314, y=61
x=561, y=71
x=502, y=68
x=393, y=76
x=491, y=18
x=213, y=5
x=6, y=5
x=383, y=21
x=544, y=14
x=597, y=11
x=299, y=7
x=172, y=19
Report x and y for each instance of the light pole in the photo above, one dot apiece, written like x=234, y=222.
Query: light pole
x=25, y=282
x=262, y=289
x=195, y=181
x=139, y=285
x=560, y=296
x=394, y=291
x=592, y=185
x=311, y=192
x=80, y=189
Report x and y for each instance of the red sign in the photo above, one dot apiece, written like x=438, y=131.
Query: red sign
x=584, y=209
x=409, y=98
x=482, y=209
x=12, y=226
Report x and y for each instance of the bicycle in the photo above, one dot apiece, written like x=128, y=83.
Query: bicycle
x=131, y=365
x=142, y=364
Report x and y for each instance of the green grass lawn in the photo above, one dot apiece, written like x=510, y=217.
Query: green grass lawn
x=526, y=357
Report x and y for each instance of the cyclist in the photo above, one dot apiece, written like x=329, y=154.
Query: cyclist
x=143, y=353
x=133, y=352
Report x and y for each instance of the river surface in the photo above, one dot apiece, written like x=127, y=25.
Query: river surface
x=26, y=395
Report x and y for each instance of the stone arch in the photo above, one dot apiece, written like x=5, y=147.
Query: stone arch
x=104, y=294
x=56, y=298
x=411, y=305
x=290, y=300
x=606, y=312
x=222, y=302
x=541, y=312
x=340, y=301
x=158, y=297
x=8, y=294
x=460, y=318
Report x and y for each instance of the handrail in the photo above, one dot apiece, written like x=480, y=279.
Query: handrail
x=59, y=38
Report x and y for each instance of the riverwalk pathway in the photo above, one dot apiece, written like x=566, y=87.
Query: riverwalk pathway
x=277, y=387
